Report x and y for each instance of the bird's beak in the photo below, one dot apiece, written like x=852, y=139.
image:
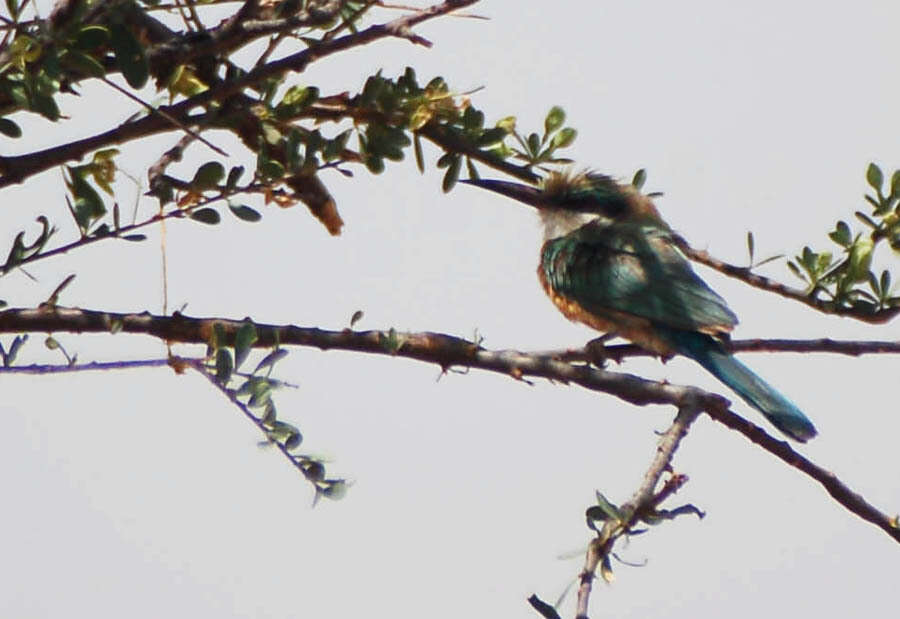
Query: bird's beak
x=522, y=193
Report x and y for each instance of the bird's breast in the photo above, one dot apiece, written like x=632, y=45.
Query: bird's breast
x=634, y=328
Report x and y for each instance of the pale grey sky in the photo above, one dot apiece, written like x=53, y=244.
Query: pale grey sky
x=143, y=494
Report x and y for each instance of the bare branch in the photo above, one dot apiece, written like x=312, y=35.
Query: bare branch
x=618, y=352
x=851, y=500
x=446, y=351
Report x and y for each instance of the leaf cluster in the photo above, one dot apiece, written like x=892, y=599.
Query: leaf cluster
x=847, y=279
x=253, y=392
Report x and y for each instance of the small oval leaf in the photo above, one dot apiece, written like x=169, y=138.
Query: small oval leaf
x=208, y=176
x=245, y=213
x=555, y=119
x=207, y=216
x=874, y=177
x=129, y=55
x=9, y=128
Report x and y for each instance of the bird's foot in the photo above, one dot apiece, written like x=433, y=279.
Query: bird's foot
x=596, y=350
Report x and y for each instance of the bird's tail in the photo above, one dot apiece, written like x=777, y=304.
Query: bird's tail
x=780, y=411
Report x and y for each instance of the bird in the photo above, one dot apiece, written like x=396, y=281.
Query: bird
x=610, y=261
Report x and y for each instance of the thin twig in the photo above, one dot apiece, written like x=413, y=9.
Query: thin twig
x=166, y=115
x=93, y=366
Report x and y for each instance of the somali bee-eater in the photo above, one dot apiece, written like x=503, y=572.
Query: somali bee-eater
x=611, y=262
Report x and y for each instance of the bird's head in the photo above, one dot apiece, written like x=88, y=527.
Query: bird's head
x=567, y=201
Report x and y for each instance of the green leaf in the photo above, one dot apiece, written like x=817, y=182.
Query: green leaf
x=224, y=366
x=452, y=174
x=243, y=342
x=45, y=105
x=564, y=138
x=296, y=98
x=271, y=359
x=534, y=144
x=640, y=177
x=445, y=160
x=245, y=213
x=91, y=37
x=270, y=416
x=866, y=219
x=750, y=246
x=606, y=571
x=491, y=137
x=314, y=471
x=84, y=63
x=768, y=260
x=554, y=120
x=508, y=124
x=336, y=490
x=609, y=508
x=286, y=434
x=218, y=335
x=356, y=317
x=208, y=176
x=841, y=234
x=270, y=169
x=207, y=216
x=874, y=177
x=470, y=167
x=823, y=262
x=9, y=128
x=417, y=148
x=795, y=270
x=135, y=237
x=420, y=117
x=129, y=55
x=472, y=118
x=260, y=393
x=270, y=133
x=375, y=164
x=88, y=205
x=861, y=258
x=293, y=440
x=234, y=175
x=10, y=357
x=874, y=284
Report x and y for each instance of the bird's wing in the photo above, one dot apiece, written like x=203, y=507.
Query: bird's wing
x=636, y=269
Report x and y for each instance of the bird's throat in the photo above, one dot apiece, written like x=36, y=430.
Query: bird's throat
x=559, y=222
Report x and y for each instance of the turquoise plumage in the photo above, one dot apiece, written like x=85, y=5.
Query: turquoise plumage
x=611, y=262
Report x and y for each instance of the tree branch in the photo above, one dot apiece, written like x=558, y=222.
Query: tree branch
x=446, y=351
x=764, y=283
x=851, y=500
x=643, y=502
x=16, y=169
x=854, y=348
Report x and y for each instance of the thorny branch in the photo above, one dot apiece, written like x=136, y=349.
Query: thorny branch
x=446, y=351
x=644, y=500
